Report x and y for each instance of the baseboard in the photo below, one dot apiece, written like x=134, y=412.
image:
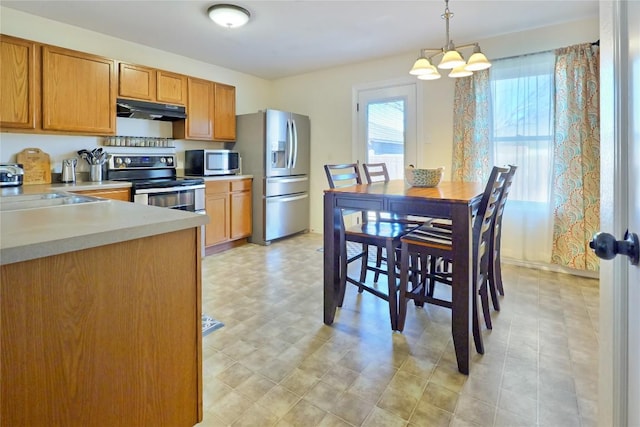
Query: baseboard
x=551, y=267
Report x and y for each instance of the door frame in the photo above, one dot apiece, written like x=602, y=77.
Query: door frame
x=404, y=81
x=614, y=274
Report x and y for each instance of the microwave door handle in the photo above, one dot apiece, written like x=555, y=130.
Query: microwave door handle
x=294, y=131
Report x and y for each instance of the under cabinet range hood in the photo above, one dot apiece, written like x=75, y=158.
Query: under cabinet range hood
x=149, y=110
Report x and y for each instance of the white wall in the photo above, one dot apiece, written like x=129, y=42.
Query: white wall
x=326, y=96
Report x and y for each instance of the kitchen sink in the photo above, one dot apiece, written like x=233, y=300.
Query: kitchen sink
x=45, y=200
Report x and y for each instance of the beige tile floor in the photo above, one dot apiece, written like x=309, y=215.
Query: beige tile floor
x=275, y=363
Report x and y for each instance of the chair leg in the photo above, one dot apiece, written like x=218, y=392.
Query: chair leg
x=343, y=273
x=493, y=291
x=432, y=271
x=404, y=285
x=416, y=276
x=392, y=285
x=364, y=261
x=485, y=304
x=477, y=336
x=497, y=275
x=378, y=264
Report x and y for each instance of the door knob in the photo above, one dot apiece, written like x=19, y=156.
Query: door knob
x=607, y=247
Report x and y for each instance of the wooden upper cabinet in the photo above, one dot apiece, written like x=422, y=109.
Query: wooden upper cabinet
x=19, y=83
x=199, y=122
x=224, y=113
x=149, y=84
x=136, y=82
x=78, y=92
x=171, y=88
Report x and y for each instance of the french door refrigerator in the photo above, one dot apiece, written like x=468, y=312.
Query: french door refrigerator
x=275, y=148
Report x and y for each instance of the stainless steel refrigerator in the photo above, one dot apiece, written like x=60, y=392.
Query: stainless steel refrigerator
x=275, y=148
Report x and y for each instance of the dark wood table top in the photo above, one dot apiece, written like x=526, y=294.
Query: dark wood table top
x=451, y=192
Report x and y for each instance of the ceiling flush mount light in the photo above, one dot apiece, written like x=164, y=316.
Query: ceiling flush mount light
x=228, y=15
x=451, y=58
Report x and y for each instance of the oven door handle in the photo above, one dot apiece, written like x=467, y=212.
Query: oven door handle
x=168, y=189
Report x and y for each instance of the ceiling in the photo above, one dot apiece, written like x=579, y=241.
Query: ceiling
x=290, y=37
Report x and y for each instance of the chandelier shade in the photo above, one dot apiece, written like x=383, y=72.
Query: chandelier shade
x=477, y=62
x=452, y=59
x=460, y=71
x=421, y=66
x=432, y=76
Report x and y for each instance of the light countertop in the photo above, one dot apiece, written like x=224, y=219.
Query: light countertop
x=78, y=186
x=35, y=233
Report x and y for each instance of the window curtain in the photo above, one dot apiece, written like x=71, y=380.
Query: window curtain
x=577, y=157
x=472, y=156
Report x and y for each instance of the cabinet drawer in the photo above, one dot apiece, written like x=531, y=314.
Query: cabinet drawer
x=241, y=185
x=213, y=187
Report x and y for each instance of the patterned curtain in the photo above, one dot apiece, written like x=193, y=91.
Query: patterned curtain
x=472, y=154
x=576, y=166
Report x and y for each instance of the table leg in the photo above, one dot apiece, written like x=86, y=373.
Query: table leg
x=331, y=254
x=461, y=307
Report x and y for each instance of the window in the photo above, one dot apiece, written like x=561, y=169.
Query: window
x=522, y=96
x=523, y=129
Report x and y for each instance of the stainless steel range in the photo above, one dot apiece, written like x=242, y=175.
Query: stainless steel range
x=154, y=181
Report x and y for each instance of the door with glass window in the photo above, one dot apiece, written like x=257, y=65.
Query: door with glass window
x=387, y=126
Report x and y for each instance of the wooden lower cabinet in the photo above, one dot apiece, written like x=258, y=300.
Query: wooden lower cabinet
x=241, y=209
x=123, y=194
x=228, y=205
x=106, y=336
x=218, y=210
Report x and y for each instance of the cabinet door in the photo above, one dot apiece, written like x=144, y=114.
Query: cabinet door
x=240, y=214
x=78, y=92
x=217, y=230
x=136, y=82
x=199, y=122
x=171, y=88
x=224, y=116
x=17, y=83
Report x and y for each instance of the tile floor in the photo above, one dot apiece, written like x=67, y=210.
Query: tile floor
x=275, y=363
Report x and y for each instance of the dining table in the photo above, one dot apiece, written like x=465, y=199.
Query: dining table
x=450, y=200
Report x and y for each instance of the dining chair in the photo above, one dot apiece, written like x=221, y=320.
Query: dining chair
x=436, y=243
x=495, y=269
x=379, y=234
x=378, y=172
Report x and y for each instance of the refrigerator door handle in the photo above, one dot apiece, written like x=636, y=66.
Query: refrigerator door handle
x=289, y=144
x=280, y=199
x=287, y=180
x=294, y=131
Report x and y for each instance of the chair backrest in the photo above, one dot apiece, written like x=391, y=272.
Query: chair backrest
x=483, y=223
x=497, y=223
x=375, y=172
x=343, y=175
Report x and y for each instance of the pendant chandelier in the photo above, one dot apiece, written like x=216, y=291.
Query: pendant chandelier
x=451, y=57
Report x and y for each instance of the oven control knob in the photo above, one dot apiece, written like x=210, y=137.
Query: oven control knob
x=127, y=160
x=118, y=160
x=163, y=160
x=169, y=161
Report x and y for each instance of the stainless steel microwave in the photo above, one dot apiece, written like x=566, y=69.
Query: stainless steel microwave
x=211, y=162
